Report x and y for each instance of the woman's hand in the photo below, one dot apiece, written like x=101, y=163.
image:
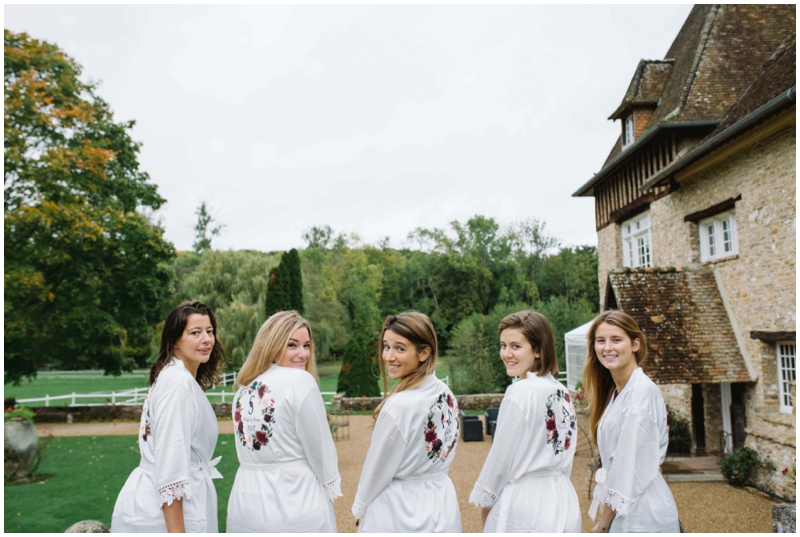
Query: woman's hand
x=485, y=514
x=173, y=516
x=604, y=520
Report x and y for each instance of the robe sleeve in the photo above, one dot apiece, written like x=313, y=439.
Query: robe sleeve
x=635, y=461
x=175, y=418
x=315, y=437
x=503, y=456
x=386, y=452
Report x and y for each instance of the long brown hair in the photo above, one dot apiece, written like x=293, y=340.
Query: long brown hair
x=536, y=329
x=270, y=344
x=597, y=380
x=210, y=372
x=418, y=329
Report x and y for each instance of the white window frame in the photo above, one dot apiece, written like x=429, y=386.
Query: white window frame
x=627, y=130
x=786, y=353
x=718, y=236
x=637, y=249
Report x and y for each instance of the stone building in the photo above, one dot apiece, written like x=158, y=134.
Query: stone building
x=695, y=215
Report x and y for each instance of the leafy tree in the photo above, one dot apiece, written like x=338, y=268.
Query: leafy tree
x=357, y=377
x=204, y=233
x=572, y=273
x=85, y=271
x=318, y=236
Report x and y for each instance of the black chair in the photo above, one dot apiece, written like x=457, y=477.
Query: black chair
x=491, y=420
x=471, y=428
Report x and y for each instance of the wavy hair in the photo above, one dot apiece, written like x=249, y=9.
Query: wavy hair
x=597, y=380
x=536, y=329
x=418, y=329
x=270, y=344
x=209, y=373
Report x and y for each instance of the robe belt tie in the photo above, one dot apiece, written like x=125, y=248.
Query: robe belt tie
x=599, y=494
x=302, y=463
x=426, y=478
x=508, y=489
x=208, y=468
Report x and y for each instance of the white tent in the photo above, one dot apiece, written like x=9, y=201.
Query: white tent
x=575, y=348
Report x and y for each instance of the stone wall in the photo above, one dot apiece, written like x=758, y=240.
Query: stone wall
x=712, y=414
x=784, y=517
x=679, y=399
x=609, y=255
x=465, y=402
x=60, y=414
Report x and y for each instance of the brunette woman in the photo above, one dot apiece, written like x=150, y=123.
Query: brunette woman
x=171, y=490
x=629, y=423
x=288, y=475
x=524, y=486
x=404, y=486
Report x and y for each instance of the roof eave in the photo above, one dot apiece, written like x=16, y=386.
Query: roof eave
x=631, y=149
x=781, y=101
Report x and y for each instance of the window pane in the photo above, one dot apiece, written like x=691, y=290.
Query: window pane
x=727, y=236
x=786, y=373
x=712, y=246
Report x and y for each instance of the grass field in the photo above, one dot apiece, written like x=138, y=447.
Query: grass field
x=88, y=473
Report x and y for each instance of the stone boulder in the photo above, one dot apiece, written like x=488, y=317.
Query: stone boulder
x=88, y=526
x=20, y=444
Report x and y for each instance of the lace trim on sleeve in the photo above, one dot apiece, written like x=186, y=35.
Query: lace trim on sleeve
x=482, y=497
x=175, y=491
x=619, y=503
x=358, y=508
x=333, y=488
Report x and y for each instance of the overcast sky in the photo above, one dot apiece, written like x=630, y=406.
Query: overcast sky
x=370, y=119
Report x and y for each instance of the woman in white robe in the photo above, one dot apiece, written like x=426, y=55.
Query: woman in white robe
x=629, y=420
x=288, y=475
x=525, y=485
x=404, y=486
x=172, y=489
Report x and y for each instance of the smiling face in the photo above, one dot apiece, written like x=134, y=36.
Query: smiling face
x=297, y=350
x=516, y=352
x=615, y=350
x=195, y=345
x=401, y=356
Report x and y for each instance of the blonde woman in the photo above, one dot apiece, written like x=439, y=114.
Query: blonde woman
x=288, y=475
x=404, y=486
x=628, y=418
x=524, y=486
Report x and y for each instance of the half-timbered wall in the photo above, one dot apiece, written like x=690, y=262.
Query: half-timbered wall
x=618, y=194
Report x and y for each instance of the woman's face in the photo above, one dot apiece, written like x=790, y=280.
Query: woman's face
x=516, y=352
x=297, y=350
x=615, y=349
x=401, y=356
x=195, y=345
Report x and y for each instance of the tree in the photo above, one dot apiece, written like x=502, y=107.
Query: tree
x=204, y=233
x=357, y=377
x=85, y=271
x=295, y=287
x=278, y=293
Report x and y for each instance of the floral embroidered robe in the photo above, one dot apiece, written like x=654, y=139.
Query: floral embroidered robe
x=177, y=436
x=289, y=472
x=404, y=486
x=632, y=437
x=525, y=479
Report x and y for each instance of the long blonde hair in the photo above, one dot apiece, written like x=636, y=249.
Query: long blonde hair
x=418, y=329
x=270, y=344
x=597, y=380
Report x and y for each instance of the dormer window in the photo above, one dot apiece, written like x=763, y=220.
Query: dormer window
x=627, y=131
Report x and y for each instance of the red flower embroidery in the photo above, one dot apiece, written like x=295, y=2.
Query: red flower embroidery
x=261, y=436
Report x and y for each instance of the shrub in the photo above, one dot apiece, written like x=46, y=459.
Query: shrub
x=357, y=377
x=738, y=467
x=680, y=434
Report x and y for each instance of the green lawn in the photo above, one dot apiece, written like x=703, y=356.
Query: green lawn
x=88, y=473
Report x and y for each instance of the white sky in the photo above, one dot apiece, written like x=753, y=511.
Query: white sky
x=370, y=119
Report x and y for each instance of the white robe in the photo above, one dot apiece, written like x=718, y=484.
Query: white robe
x=288, y=474
x=404, y=486
x=632, y=437
x=177, y=436
x=525, y=479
